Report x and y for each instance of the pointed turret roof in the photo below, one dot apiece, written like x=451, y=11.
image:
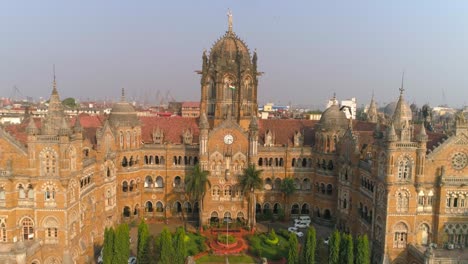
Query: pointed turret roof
x=402, y=114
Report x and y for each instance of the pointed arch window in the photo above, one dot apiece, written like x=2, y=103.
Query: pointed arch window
x=3, y=231
x=48, y=159
x=402, y=202
x=27, y=226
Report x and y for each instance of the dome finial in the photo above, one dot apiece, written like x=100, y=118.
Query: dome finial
x=229, y=15
x=402, y=81
x=54, y=84
x=122, y=98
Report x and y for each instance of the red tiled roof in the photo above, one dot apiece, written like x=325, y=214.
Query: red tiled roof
x=173, y=127
x=89, y=120
x=284, y=130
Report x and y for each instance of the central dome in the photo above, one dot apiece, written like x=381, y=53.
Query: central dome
x=333, y=118
x=230, y=49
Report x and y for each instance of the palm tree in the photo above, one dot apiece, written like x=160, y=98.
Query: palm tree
x=287, y=188
x=196, y=183
x=249, y=182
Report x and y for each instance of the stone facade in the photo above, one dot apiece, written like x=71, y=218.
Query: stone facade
x=63, y=181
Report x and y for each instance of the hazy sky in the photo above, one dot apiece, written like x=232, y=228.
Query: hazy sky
x=307, y=49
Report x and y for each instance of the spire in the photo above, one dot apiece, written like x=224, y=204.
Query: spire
x=422, y=136
x=402, y=82
x=391, y=134
x=31, y=128
x=64, y=128
x=54, y=83
x=377, y=132
x=372, y=111
x=77, y=127
x=229, y=15
x=402, y=115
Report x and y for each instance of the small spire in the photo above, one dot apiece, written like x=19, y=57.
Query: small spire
x=422, y=133
x=54, y=84
x=229, y=15
x=31, y=128
x=77, y=127
x=391, y=134
x=402, y=89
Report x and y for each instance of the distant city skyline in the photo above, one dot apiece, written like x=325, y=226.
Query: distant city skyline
x=308, y=50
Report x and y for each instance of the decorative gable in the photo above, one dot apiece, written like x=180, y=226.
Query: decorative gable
x=298, y=139
x=158, y=136
x=269, y=138
x=187, y=137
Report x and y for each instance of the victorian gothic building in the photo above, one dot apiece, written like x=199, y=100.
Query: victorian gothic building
x=390, y=179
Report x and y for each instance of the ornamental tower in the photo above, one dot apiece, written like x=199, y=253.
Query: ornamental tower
x=229, y=80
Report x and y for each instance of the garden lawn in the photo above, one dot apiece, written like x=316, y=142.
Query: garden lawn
x=271, y=252
x=222, y=259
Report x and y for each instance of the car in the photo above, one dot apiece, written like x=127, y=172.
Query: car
x=299, y=234
x=292, y=229
x=305, y=219
x=301, y=225
x=326, y=240
x=132, y=260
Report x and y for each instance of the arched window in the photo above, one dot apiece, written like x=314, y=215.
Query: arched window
x=3, y=232
x=404, y=169
x=49, y=193
x=149, y=206
x=295, y=209
x=329, y=189
x=297, y=184
x=177, y=182
x=148, y=182
x=124, y=186
x=51, y=227
x=400, y=235
x=124, y=162
x=215, y=190
x=159, y=207
x=159, y=182
x=132, y=186
x=268, y=184
x=276, y=208
x=327, y=214
x=227, y=191
x=121, y=140
x=126, y=211
x=27, y=226
x=305, y=209
x=277, y=184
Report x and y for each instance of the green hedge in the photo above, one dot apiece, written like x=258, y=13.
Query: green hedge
x=222, y=238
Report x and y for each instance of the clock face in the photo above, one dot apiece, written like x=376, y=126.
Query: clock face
x=228, y=139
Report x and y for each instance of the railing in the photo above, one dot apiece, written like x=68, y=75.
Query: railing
x=449, y=180
x=88, y=161
x=406, y=145
x=48, y=138
x=26, y=203
x=5, y=173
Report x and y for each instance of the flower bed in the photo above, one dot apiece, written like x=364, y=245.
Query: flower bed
x=226, y=239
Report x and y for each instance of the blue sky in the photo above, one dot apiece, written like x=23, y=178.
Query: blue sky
x=307, y=49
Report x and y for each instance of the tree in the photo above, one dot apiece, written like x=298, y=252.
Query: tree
x=166, y=251
x=293, y=254
x=108, y=251
x=250, y=181
x=180, y=248
x=308, y=251
x=334, y=248
x=362, y=250
x=143, y=246
x=287, y=188
x=196, y=184
x=69, y=102
x=346, y=249
x=121, y=244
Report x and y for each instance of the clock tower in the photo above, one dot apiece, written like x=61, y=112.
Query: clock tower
x=229, y=81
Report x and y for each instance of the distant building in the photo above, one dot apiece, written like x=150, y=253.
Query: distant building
x=190, y=109
x=347, y=106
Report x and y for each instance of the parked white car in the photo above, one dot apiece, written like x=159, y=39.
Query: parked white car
x=301, y=225
x=305, y=219
x=326, y=240
x=132, y=260
x=294, y=230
